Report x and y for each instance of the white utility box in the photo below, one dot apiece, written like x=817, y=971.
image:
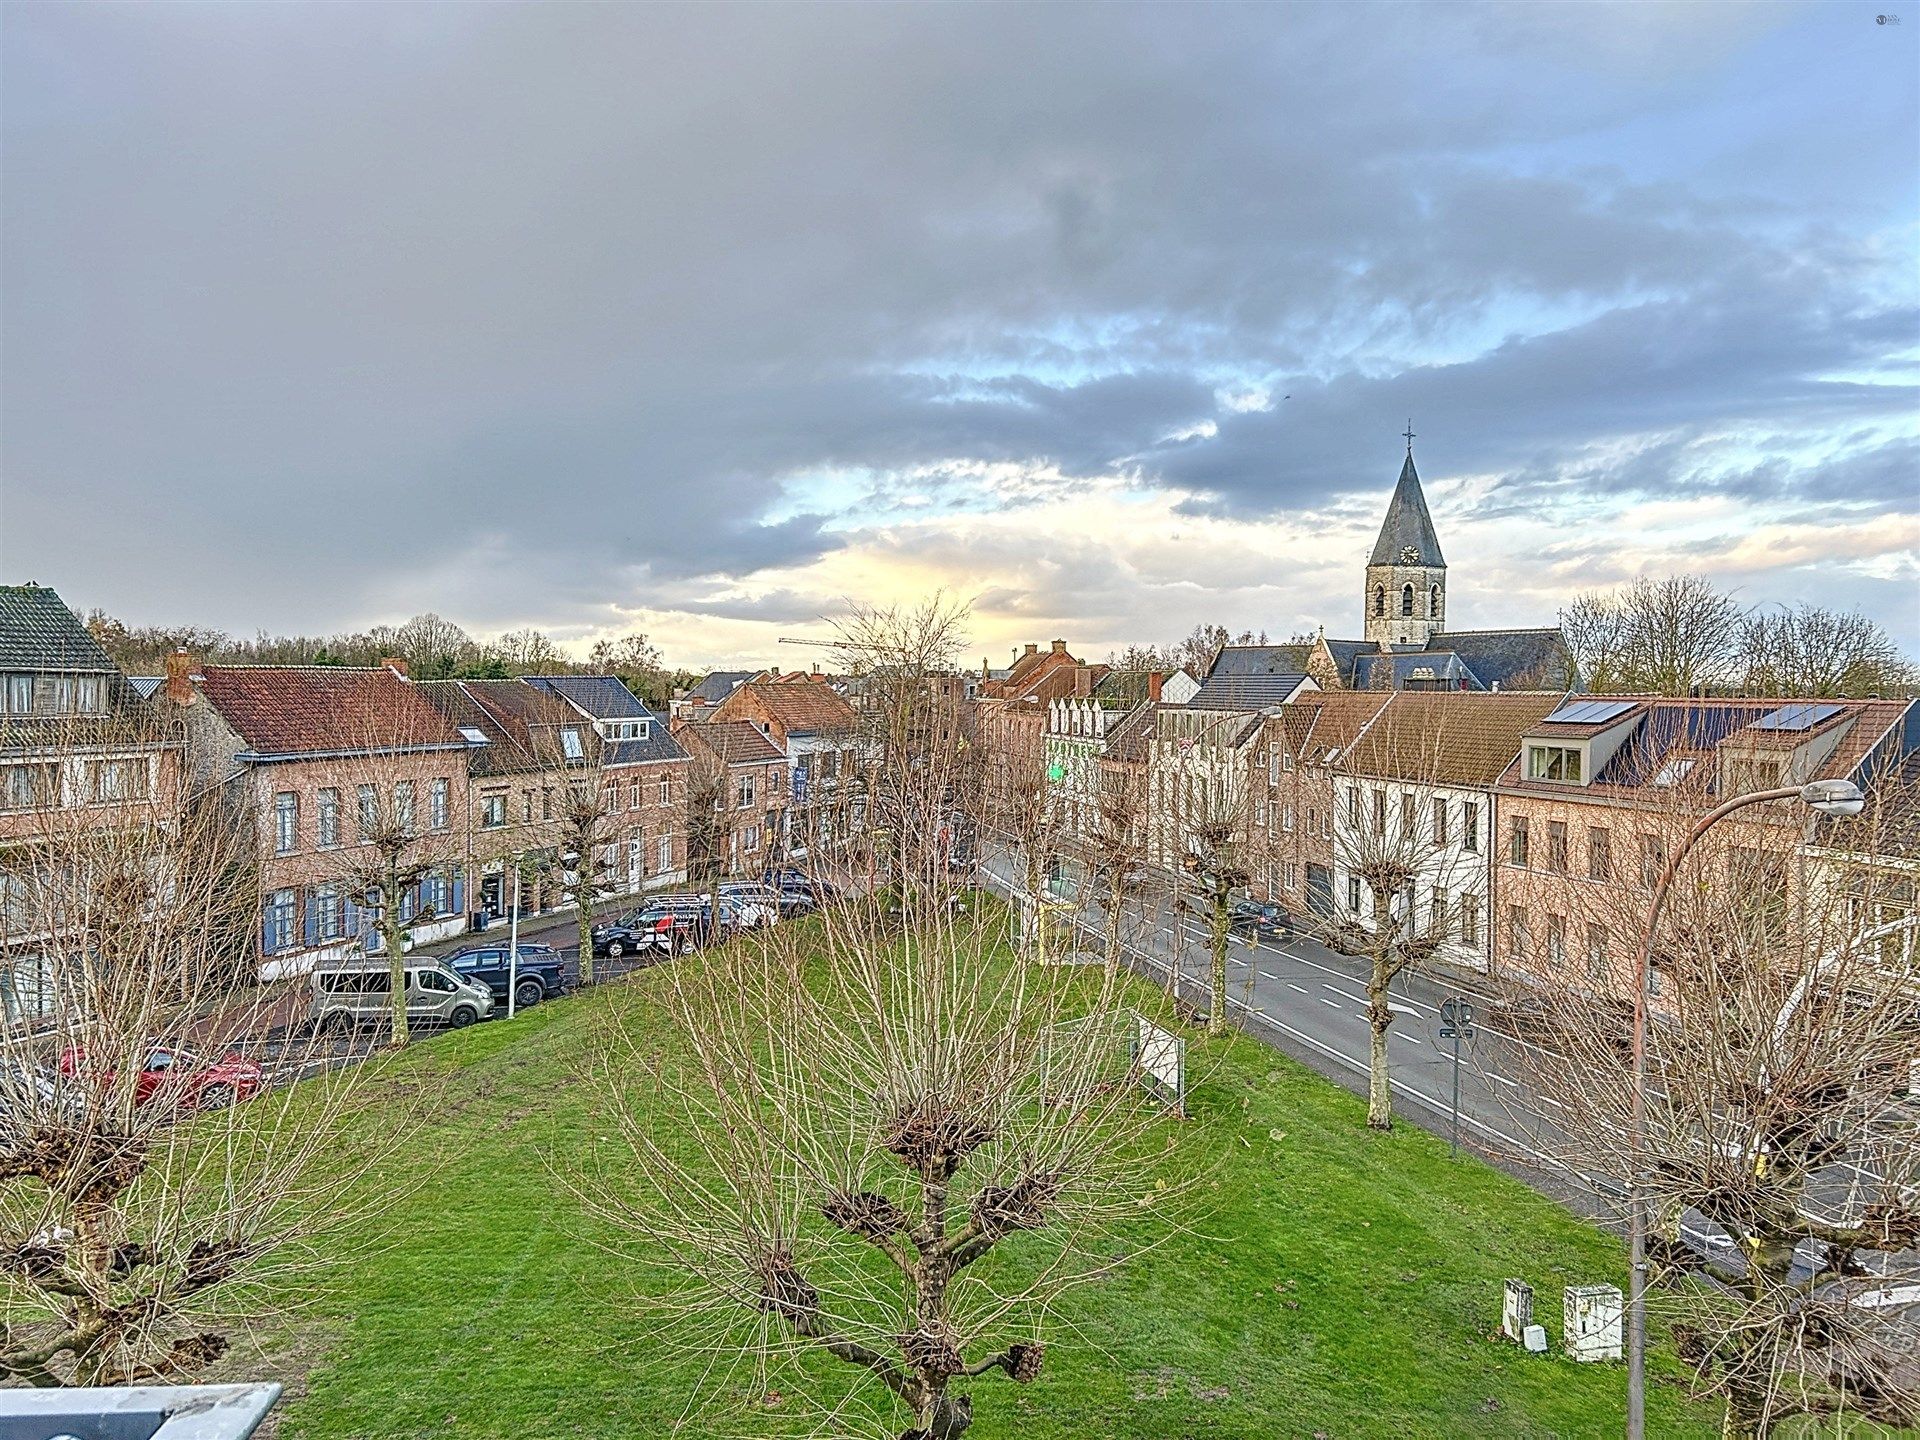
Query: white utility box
x=1591, y=1326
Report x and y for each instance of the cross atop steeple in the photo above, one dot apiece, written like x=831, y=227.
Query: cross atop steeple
x=1409, y=434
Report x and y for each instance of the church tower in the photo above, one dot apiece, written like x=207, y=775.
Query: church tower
x=1406, y=575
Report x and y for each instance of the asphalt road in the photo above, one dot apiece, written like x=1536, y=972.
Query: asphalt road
x=1309, y=1001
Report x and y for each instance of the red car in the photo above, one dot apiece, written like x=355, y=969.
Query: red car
x=184, y=1080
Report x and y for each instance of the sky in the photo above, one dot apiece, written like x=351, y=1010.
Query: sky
x=704, y=321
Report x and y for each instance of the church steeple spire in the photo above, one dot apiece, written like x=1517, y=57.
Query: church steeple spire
x=1406, y=573
x=1408, y=525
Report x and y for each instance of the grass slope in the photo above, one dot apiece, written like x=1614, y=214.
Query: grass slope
x=1335, y=1283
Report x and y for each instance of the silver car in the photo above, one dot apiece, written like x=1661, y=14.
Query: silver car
x=357, y=991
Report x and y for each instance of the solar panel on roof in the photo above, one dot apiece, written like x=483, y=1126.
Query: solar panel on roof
x=1588, y=712
x=1795, y=717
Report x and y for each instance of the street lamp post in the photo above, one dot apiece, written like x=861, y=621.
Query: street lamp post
x=1823, y=797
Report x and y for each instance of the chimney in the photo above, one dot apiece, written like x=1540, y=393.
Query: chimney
x=1154, y=681
x=1059, y=647
x=1082, y=681
x=1032, y=649
x=180, y=678
x=395, y=664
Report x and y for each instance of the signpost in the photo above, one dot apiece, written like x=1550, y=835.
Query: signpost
x=1456, y=1024
x=1162, y=1058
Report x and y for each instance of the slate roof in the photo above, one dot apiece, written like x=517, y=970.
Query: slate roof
x=734, y=742
x=604, y=697
x=292, y=710
x=1259, y=660
x=1510, y=659
x=1246, y=692
x=1447, y=738
x=1127, y=741
x=1673, y=729
x=39, y=632
x=1407, y=523
x=716, y=685
x=1123, y=689
x=1345, y=652
x=1394, y=671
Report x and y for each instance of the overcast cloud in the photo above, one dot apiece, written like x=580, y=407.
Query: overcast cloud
x=698, y=319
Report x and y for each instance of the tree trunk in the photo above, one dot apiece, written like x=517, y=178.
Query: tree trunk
x=951, y=1418
x=1115, y=899
x=394, y=937
x=1217, y=965
x=1379, y=1017
x=586, y=940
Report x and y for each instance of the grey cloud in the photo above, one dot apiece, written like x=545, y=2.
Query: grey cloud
x=316, y=312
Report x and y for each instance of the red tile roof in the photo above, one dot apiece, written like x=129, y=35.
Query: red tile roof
x=807, y=709
x=323, y=709
x=735, y=742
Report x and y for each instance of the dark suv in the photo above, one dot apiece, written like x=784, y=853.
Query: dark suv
x=540, y=975
x=1259, y=920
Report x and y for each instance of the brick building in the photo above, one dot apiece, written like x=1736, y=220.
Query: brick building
x=79, y=748
x=1603, y=789
x=299, y=754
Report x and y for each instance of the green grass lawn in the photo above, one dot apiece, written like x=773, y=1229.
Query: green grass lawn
x=1333, y=1282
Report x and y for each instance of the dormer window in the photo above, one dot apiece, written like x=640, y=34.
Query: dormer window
x=570, y=744
x=1564, y=764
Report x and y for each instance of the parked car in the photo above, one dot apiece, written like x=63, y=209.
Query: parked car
x=1259, y=920
x=539, y=975
x=179, y=1079
x=1536, y=1020
x=32, y=1094
x=790, y=880
x=354, y=992
x=668, y=923
x=760, y=904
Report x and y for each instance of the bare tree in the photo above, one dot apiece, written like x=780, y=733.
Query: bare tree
x=397, y=836
x=1677, y=636
x=1200, y=787
x=920, y=754
x=1809, y=650
x=1114, y=850
x=847, y=1123
x=1777, y=1156
x=1388, y=846
x=588, y=824
x=150, y=1200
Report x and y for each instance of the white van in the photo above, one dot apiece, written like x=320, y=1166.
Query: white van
x=361, y=991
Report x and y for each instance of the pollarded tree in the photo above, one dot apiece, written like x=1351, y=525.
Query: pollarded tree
x=1400, y=844
x=1775, y=1154
x=150, y=1201
x=1114, y=849
x=395, y=841
x=1199, y=783
x=848, y=1121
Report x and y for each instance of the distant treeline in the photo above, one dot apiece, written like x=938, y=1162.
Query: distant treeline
x=432, y=647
